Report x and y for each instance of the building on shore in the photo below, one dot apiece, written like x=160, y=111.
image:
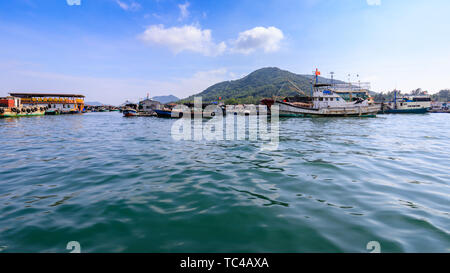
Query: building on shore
x=149, y=105
x=55, y=103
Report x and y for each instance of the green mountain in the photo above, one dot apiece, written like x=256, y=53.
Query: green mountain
x=262, y=83
x=166, y=99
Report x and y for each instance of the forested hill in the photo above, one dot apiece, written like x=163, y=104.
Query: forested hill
x=262, y=83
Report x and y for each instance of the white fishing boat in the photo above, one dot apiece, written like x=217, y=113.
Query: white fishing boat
x=407, y=105
x=333, y=100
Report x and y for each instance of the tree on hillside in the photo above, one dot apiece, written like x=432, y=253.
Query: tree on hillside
x=443, y=95
x=417, y=92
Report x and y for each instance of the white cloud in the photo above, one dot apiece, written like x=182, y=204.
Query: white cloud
x=250, y=40
x=184, y=12
x=185, y=38
x=194, y=39
x=128, y=6
x=373, y=2
x=73, y=2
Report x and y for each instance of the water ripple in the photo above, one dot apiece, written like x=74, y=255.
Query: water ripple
x=124, y=185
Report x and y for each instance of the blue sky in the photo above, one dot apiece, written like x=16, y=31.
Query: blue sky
x=113, y=50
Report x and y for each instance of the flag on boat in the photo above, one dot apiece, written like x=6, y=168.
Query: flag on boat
x=317, y=72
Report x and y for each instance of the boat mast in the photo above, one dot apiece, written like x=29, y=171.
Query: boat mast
x=315, y=81
x=395, y=98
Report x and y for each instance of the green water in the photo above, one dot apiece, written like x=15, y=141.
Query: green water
x=119, y=184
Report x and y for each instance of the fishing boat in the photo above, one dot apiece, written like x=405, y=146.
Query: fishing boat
x=130, y=113
x=329, y=100
x=407, y=105
x=13, y=107
x=130, y=110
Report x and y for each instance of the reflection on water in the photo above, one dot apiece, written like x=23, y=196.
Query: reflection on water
x=122, y=184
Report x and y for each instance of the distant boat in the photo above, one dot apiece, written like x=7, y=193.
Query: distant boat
x=130, y=113
x=407, y=105
x=163, y=113
x=130, y=110
x=440, y=107
x=194, y=112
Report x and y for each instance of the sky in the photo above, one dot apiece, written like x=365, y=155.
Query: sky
x=117, y=50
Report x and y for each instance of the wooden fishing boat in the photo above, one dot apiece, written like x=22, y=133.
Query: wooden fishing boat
x=130, y=110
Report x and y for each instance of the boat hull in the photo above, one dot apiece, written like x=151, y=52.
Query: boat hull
x=289, y=110
x=405, y=111
x=10, y=114
x=130, y=113
x=163, y=114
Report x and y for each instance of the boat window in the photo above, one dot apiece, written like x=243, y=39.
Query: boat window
x=331, y=99
x=320, y=99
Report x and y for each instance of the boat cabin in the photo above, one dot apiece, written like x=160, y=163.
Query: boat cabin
x=10, y=102
x=338, y=95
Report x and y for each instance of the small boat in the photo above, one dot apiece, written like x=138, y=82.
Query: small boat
x=440, y=107
x=407, y=105
x=195, y=112
x=12, y=107
x=130, y=110
x=130, y=113
x=165, y=113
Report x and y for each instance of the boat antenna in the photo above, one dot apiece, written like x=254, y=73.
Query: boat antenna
x=332, y=78
x=317, y=75
x=296, y=87
x=277, y=94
